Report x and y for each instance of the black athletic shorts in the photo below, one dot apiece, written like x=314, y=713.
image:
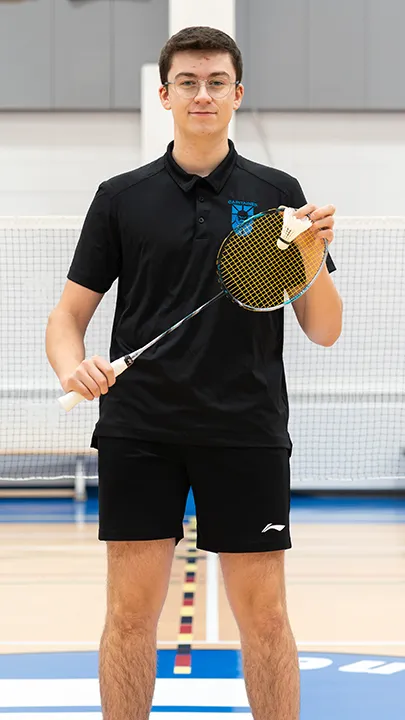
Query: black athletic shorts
x=242, y=494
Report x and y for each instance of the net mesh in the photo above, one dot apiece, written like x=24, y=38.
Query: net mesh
x=257, y=273
x=347, y=403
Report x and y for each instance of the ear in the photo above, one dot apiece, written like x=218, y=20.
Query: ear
x=164, y=97
x=239, y=93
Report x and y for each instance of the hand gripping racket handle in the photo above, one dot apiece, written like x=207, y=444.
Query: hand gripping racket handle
x=71, y=399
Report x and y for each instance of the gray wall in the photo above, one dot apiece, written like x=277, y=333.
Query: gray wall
x=299, y=54
x=77, y=54
x=323, y=54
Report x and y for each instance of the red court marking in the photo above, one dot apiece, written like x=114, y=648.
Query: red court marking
x=183, y=659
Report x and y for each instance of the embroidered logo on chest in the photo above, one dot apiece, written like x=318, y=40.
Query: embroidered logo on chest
x=242, y=211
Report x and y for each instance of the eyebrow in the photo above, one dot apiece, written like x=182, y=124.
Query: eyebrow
x=193, y=75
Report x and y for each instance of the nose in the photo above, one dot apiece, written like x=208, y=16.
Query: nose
x=203, y=94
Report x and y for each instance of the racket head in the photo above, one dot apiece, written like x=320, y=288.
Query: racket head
x=256, y=274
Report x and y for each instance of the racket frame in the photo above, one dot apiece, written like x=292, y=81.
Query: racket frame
x=286, y=302
x=73, y=398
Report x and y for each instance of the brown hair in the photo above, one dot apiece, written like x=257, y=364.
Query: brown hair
x=199, y=38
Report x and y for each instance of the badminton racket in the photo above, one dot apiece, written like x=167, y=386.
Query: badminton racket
x=266, y=262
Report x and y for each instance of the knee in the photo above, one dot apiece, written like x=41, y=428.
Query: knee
x=130, y=611
x=131, y=618
x=262, y=622
x=255, y=587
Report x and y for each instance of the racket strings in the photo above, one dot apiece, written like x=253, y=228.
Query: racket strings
x=248, y=266
x=256, y=273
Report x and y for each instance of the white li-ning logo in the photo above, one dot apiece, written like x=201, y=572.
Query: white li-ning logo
x=271, y=526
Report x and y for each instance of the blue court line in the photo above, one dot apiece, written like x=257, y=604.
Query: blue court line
x=158, y=708
x=59, y=709
x=204, y=709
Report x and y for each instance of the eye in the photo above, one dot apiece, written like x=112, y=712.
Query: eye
x=217, y=83
x=187, y=83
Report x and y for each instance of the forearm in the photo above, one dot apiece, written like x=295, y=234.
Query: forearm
x=319, y=311
x=64, y=343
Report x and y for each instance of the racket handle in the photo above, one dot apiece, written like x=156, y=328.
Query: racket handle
x=71, y=399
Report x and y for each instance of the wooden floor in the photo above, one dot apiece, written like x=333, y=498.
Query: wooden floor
x=346, y=589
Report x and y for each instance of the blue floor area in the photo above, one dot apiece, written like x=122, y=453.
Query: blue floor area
x=333, y=686
x=304, y=509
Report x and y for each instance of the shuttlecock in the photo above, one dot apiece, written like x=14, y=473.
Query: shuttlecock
x=292, y=227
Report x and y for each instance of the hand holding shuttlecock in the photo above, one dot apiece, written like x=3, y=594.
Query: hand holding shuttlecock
x=292, y=227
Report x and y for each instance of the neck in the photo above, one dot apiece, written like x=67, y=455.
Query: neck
x=199, y=156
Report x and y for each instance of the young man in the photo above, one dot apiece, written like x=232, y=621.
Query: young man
x=207, y=407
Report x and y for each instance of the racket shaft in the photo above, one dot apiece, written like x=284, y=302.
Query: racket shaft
x=71, y=399
x=137, y=353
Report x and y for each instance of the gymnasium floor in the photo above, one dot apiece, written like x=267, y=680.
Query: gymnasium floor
x=346, y=590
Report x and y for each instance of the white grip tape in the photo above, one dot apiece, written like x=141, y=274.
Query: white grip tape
x=68, y=401
x=71, y=399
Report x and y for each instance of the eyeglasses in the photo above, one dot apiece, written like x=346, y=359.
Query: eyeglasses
x=189, y=88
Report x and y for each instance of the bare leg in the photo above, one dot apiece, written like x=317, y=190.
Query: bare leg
x=256, y=590
x=138, y=578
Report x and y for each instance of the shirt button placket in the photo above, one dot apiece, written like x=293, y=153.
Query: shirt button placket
x=201, y=216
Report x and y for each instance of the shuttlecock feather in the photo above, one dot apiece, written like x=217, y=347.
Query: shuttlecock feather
x=292, y=227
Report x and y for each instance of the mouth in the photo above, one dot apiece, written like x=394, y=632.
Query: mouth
x=202, y=114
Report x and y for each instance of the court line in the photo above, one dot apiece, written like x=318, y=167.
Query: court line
x=212, y=557
x=76, y=517
x=100, y=583
x=212, y=599
x=89, y=534
x=163, y=643
x=90, y=711
x=312, y=643
x=57, y=548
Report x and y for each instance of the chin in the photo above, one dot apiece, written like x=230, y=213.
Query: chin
x=205, y=125
x=204, y=131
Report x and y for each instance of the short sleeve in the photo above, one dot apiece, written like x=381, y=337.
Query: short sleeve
x=97, y=259
x=297, y=200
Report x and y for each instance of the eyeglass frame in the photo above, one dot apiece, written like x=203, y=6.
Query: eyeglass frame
x=200, y=82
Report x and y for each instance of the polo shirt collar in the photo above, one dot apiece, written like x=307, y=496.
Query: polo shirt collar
x=216, y=179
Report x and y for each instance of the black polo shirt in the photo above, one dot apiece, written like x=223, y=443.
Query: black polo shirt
x=219, y=379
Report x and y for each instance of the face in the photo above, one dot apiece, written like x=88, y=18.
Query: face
x=203, y=114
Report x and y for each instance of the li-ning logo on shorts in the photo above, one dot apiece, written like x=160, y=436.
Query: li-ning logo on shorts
x=271, y=526
x=242, y=211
